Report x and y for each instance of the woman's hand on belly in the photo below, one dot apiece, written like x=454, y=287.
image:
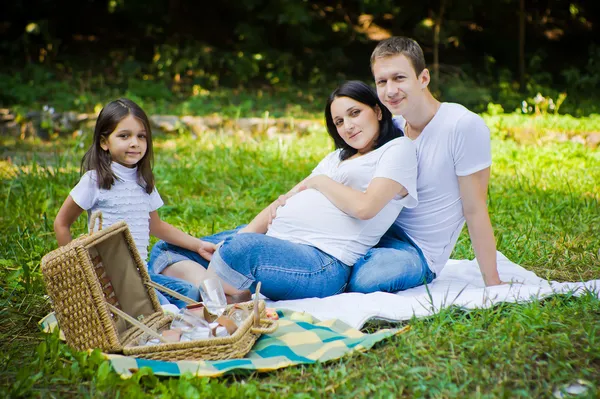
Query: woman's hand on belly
x=281, y=201
x=260, y=224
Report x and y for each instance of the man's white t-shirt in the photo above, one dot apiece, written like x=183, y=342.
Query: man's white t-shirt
x=126, y=200
x=456, y=142
x=310, y=218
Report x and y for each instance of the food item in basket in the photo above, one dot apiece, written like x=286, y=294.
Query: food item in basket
x=188, y=326
x=272, y=314
x=218, y=330
x=172, y=335
x=228, y=324
x=186, y=320
x=201, y=311
x=195, y=334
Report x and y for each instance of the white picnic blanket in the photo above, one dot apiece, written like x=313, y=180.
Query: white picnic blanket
x=460, y=283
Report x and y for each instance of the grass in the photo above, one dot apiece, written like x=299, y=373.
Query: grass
x=544, y=205
x=538, y=129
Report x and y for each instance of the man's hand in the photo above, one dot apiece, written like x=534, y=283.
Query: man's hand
x=206, y=249
x=473, y=192
x=495, y=282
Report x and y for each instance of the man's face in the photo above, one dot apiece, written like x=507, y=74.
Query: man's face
x=398, y=85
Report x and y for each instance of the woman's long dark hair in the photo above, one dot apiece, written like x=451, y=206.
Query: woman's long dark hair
x=99, y=160
x=365, y=94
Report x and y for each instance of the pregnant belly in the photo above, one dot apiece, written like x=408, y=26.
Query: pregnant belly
x=310, y=213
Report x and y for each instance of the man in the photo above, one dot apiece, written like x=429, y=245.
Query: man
x=454, y=158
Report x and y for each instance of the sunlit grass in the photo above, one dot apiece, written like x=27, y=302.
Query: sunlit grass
x=544, y=204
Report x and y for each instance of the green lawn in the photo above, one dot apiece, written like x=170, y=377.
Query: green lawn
x=544, y=204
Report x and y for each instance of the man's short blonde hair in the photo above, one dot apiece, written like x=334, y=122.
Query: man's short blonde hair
x=400, y=45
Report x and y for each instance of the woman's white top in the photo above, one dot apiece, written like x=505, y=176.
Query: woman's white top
x=310, y=218
x=126, y=200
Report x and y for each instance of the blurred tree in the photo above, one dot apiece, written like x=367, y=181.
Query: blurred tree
x=279, y=42
x=436, y=45
x=522, y=45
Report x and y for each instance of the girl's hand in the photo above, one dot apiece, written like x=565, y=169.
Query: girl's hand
x=68, y=213
x=206, y=249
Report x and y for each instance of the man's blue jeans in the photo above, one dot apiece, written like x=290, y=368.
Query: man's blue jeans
x=287, y=270
x=396, y=263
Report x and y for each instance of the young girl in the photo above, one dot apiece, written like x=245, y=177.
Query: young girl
x=118, y=181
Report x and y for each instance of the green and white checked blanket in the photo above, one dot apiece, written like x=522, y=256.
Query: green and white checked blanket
x=294, y=342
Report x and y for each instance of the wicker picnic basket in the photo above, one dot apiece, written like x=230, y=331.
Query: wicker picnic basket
x=103, y=298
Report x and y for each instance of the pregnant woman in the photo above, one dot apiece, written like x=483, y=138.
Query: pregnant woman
x=334, y=217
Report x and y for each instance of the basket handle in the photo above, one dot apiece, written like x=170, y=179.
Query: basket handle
x=136, y=323
x=169, y=291
x=271, y=326
x=95, y=215
x=257, y=328
x=255, y=307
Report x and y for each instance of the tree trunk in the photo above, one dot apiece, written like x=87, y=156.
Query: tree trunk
x=522, y=46
x=436, y=47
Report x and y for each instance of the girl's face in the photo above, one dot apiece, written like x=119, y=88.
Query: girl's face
x=356, y=123
x=127, y=144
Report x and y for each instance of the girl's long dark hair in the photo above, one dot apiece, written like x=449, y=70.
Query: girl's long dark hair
x=99, y=160
x=365, y=94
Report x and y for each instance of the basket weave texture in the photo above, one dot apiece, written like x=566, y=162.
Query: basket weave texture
x=105, y=266
x=231, y=347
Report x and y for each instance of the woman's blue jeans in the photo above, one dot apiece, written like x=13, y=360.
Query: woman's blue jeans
x=286, y=270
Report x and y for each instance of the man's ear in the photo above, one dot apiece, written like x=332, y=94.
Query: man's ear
x=424, y=78
x=103, y=143
x=378, y=112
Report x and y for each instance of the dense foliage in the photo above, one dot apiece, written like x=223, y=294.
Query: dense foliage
x=185, y=48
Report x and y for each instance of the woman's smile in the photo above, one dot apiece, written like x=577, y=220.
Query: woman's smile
x=353, y=135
